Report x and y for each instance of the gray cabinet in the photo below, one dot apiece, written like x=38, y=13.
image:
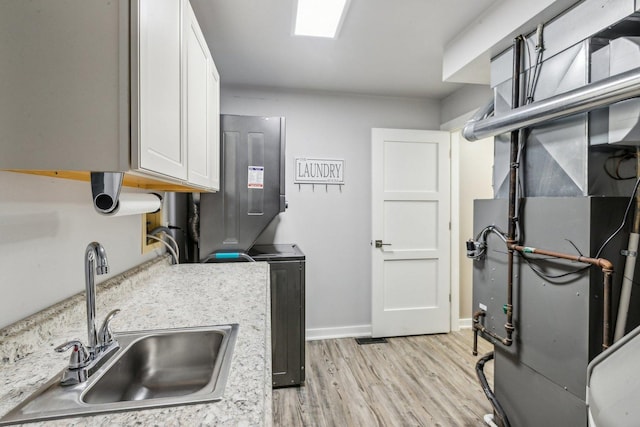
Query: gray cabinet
x=287, y=264
x=102, y=86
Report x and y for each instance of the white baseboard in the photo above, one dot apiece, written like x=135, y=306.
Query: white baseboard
x=354, y=331
x=465, y=323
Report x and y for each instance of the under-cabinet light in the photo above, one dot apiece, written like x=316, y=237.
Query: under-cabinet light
x=319, y=18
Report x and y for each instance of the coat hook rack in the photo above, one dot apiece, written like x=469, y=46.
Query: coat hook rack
x=313, y=186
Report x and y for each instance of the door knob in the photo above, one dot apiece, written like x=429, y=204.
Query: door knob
x=379, y=244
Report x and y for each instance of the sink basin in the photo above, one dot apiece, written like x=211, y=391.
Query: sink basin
x=151, y=369
x=163, y=365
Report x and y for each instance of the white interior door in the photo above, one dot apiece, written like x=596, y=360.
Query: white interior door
x=410, y=219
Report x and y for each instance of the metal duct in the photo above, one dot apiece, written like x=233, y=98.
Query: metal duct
x=595, y=95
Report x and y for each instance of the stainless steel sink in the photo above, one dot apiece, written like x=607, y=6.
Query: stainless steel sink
x=151, y=369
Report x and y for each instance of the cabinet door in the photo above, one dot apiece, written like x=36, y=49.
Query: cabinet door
x=213, y=120
x=198, y=66
x=161, y=146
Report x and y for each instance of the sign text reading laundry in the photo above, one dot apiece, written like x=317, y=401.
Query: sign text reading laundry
x=319, y=171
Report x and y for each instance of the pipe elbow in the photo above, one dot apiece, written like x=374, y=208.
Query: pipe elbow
x=605, y=264
x=478, y=314
x=468, y=131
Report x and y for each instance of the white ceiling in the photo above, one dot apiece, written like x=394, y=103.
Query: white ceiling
x=385, y=47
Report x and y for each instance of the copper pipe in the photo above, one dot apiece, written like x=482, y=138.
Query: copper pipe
x=603, y=263
x=607, y=270
x=476, y=321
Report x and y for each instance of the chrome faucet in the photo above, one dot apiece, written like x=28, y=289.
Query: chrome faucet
x=95, y=258
x=85, y=360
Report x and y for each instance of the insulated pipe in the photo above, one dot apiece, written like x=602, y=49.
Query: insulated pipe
x=607, y=270
x=586, y=98
x=627, y=281
x=629, y=266
x=487, y=390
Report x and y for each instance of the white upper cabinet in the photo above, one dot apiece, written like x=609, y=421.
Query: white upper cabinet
x=162, y=146
x=202, y=107
x=213, y=124
x=125, y=85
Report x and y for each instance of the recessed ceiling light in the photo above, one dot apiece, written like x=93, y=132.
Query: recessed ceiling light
x=319, y=18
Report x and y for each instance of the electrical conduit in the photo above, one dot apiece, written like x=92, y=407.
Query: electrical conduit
x=629, y=266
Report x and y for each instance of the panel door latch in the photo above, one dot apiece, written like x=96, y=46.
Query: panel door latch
x=379, y=244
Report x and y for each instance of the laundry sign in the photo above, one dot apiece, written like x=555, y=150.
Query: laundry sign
x=319, y=171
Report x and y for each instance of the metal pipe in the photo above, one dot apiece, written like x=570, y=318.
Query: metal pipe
x=586, y=98
x=476, y=329
x=484, y=112
x=513, y=178
x=607, y=270
x=630, y=266
x=603, y=263
x=513, y=174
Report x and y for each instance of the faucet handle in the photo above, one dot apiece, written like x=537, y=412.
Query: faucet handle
x=79, y=357
x=105, y=335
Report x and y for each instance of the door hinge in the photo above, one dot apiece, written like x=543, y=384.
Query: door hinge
x=449, y=225
x=449, y=297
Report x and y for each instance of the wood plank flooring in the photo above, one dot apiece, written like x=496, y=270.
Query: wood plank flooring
x=424, y=380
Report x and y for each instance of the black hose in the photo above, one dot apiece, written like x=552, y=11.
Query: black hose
x=487, y=390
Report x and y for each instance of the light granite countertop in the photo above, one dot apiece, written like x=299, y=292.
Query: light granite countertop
x=152, y=296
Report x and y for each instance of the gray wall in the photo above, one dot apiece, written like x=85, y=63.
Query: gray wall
x=332, y=227
x=472, y=168
x=467, y=98
x=45, y=226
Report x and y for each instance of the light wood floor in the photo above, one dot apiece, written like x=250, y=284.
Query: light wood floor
x=410, y=381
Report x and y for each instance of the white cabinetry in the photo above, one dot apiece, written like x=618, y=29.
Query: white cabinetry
x=203, y=99
x=162, y=146
x=213, y=124
x=109, y=86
